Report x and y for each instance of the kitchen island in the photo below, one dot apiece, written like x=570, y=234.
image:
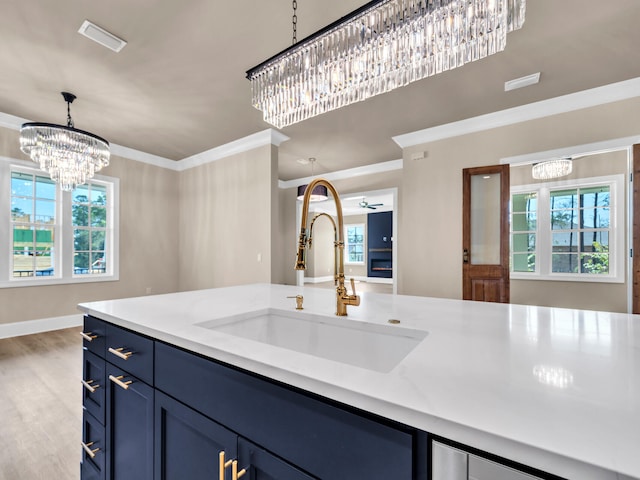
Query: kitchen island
x=557, y=390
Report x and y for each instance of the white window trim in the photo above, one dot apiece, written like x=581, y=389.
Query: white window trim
x=617, y=263
x=346, y=244
x=64, y=274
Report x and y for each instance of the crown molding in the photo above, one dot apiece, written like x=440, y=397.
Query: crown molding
x=259, y=139
x=344, y=174
x=572, y=151
x=545, y=108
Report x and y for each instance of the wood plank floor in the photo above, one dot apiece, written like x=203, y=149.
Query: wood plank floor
x=41, y=406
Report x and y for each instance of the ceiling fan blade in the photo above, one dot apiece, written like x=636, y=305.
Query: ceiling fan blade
x=376, y=204
x=371, y=207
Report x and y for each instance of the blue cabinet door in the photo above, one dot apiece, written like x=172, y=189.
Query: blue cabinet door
x=129, y=427
x=261, y=465
x=188, y=444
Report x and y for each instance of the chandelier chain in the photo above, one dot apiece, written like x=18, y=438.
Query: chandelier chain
x=294, y=22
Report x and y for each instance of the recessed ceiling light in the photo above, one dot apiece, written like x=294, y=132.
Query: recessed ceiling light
x=101, y=36
x=522, y=82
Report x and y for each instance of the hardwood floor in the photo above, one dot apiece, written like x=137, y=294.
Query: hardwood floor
x=41, y=406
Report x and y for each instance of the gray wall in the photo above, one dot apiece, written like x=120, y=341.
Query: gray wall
x=430, y=226
x=148, y=244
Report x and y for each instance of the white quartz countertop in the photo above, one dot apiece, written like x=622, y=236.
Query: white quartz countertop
x=556, y=389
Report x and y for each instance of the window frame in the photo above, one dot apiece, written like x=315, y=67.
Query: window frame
x=346, y=244
x=543, y=252
x=64, y=272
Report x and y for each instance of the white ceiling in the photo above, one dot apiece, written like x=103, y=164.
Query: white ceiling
x=178, y=88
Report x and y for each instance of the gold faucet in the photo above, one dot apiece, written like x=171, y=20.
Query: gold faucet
x=342, y=297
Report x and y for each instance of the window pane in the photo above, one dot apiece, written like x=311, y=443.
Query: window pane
x=81, y=194
x=564, y=219
x=21, y=184
x=524, y=262
x=45, y=188
x=595, y=196
x=595, y=263
x=524, y=221
x=21, y=209
x=80, y=215
x=81, y=263
x=98, y=264
x=98, y=217
x=523, y=242
x=596, y=218
x=564, y=199
x=45, y=211
x=565, y=242
x=98, y=194
x=81, y=240
x=97, y=239
x=595, y=241
x=524, y=202
x=564, y=263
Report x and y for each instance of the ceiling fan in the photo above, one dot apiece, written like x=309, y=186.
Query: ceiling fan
x=372, y=206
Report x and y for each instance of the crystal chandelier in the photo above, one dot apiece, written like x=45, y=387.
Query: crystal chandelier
x=558, y=167
x=70, y=156
x=381, y=46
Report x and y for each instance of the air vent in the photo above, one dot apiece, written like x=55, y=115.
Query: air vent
x=522, y=82
x=101, y=36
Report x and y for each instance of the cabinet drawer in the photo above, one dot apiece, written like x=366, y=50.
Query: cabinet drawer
x=93, y=448
x=94, y=332
x=291, y=424
x=94, y=386
x=131, y=352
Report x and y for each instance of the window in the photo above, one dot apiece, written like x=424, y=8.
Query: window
x=565, y=230
x=354, y=244
x=56, y=236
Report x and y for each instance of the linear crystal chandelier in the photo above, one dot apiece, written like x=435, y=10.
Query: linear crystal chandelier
x=70, y=156
x=381, y=46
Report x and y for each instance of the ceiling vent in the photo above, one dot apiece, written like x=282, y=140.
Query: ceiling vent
x=101, y=36
x=522, y=82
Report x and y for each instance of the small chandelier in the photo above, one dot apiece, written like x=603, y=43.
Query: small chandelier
x=381, y=46
x=70, y=156
x=558, y=167
x=320, y=192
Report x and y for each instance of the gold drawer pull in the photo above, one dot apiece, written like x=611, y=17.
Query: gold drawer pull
x=118, y=352
x=118, y=381
x=88, y=384
x=89, y=336
x=223, y=465
x=87, y=448
x=235, y=474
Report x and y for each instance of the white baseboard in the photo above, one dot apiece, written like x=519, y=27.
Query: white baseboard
x=40, y=325
x=318, y=279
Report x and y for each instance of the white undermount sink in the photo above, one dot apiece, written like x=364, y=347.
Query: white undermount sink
x=366, y=345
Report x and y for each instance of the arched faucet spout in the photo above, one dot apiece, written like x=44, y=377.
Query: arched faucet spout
x=342, y=297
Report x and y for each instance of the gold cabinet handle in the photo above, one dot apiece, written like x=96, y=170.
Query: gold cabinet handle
x=89, y=385
x=118, y=381
x=88, y=336
x=118, y=352
x=235, y=474
x=87, y=448
x=223, y=465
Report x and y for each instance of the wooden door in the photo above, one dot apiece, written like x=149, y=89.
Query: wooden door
x=485, y=234
x=635, y=307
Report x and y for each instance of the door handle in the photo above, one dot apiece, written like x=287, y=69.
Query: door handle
x=465, y=255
